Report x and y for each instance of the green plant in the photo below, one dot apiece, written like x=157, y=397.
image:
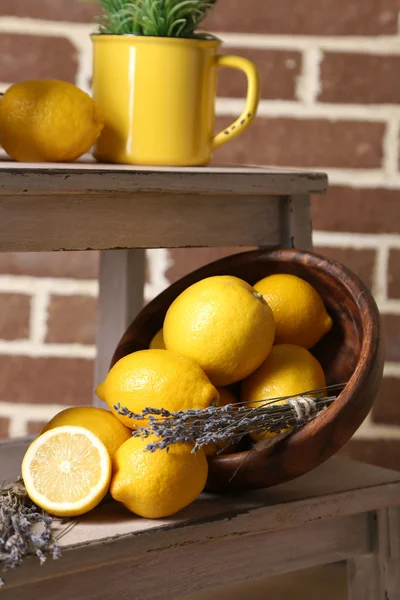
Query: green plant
x=162, y=18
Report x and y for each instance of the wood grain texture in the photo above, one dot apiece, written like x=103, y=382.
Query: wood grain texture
x=87, y=205
x=92, y=177
x=376, y=576
x=363, y=578
x=295, y=222
x=118, y=220
x=169, y=572
x=321, y=517
x=352, y=352
x=387, y=552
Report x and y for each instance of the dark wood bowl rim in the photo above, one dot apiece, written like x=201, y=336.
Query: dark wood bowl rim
x=369, y=345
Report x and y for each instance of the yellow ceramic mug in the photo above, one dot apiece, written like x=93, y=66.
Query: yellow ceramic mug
x=158, y=97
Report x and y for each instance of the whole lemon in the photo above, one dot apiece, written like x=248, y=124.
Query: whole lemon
x=157, y=343
x=225, y=397
x=157, y=484
x=48, y=121
x=98, y=420
x=299, y=312
x=288, y=370
x=224, y=325
x=156, y=379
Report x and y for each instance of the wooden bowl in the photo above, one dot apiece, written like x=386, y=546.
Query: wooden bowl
x=351, y=352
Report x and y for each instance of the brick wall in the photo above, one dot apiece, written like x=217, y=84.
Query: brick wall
x=330, y=99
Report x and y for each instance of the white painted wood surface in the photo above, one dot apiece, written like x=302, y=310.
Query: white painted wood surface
x=325, y=516
x=122, y=274
x=296, y=228
x=90, y=176
x=90, y=206
x=363, y=578
x=113, y=220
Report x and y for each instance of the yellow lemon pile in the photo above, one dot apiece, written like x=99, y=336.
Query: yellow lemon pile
x=219, y=331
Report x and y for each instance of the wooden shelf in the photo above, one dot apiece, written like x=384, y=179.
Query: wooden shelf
x=87, y=205
x=322, y=517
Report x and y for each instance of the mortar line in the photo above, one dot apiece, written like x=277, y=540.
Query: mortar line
x=364, y=44
x=355, y=240
x=38, y=316
x=308, y=84
x=31, y=349
x=381, y=274
x=68, y=287
x=391, y=147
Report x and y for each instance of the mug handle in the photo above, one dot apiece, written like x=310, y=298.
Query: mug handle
x=252, y=99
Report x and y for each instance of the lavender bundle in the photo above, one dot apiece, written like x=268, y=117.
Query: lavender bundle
x=25, y=530
x=227, y=425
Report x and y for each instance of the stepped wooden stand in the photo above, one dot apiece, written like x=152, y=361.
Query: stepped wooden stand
x=342, y=511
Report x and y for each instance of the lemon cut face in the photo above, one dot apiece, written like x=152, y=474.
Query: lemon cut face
x=67, y=471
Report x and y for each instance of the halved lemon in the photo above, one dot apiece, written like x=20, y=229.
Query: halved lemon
x=67, y=471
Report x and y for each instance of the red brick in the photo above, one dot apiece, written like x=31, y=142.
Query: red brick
x=36, y=57
x=359, y=78
x=357, y=210
x=4, y=428
x=328, y=17
x=46, y=380
x=14, y=316
x=361, y=262
x=71, y=320
x=391, y=327
x=279, y=71
x=55, y=10
x=394, y=274
x=71, y=265
x=386, y=409
x=382, y=453
x=185, y=260
x=35, y=427
x=305, y=143
x=333, y=17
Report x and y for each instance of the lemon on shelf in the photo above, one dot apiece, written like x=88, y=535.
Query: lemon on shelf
x=47, y=120
x=157, y=484
x=99, y=421
x=224, y=325
x=67, y=471
x=299, y=311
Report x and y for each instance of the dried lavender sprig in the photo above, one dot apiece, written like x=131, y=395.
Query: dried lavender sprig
x=229, y=424
x=25, y=530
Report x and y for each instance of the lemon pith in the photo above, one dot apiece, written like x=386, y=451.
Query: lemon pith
x=67, y=471
x=99, y=421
